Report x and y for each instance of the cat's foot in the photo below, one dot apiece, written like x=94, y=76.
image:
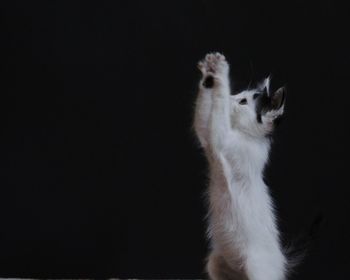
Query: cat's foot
x=214, y=68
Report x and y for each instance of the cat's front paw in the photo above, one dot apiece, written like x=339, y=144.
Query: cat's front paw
x=214, y=67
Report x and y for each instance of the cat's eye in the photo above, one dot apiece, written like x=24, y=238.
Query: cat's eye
x=256, y=95
x=243, y=101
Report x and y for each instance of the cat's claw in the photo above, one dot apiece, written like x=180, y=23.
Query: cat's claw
x=214, y=67
x=214, y=64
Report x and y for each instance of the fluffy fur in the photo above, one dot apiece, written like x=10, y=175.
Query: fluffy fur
x=234, y=131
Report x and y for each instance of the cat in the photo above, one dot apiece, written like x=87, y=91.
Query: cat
x=235, y=133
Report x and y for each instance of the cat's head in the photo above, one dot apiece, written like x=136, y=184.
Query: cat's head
x=255, y=112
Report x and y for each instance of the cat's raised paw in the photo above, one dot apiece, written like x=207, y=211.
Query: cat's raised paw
x=213, y=66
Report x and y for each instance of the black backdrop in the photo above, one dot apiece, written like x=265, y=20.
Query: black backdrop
x=101, y=175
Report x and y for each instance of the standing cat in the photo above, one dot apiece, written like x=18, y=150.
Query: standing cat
x=234, y=131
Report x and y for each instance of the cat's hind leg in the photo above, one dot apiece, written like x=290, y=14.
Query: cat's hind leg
x=218, y=269
x=264, y=264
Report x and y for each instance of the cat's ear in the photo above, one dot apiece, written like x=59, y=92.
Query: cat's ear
x=278, y=98
x=264, y=86
x=275, y=110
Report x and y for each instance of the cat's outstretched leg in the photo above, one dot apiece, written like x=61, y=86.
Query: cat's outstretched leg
x=213, y=99
x=217, y=83
x=203, y=105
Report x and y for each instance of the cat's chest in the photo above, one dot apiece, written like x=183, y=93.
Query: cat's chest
x=246, y=155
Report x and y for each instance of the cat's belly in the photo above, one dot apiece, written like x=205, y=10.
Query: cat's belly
x=240, y=216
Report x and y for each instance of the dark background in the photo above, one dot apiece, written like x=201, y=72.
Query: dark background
x=101, y=175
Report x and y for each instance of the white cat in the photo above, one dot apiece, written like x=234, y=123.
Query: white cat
x=234, y=131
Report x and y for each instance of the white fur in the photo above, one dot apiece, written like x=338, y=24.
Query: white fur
x=242, y=227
